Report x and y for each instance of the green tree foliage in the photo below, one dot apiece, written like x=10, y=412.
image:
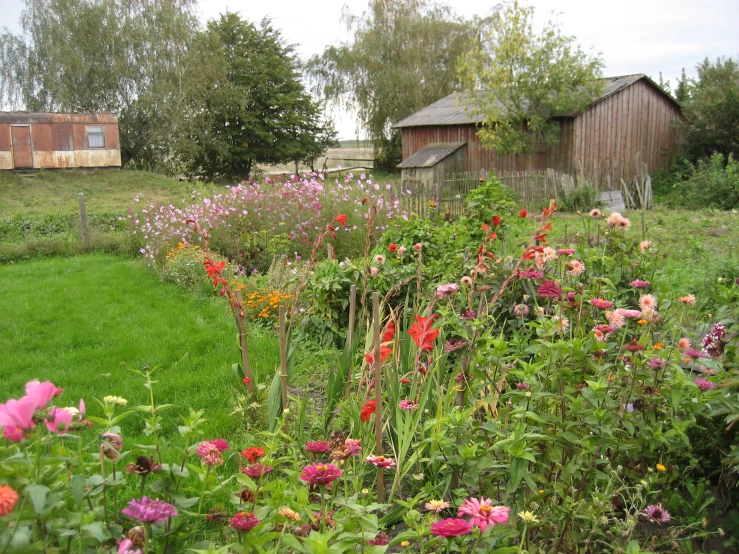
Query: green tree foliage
x=522, y=79
x=711, y=109
x=256, y=109
x=403, y=57
x=131, y=57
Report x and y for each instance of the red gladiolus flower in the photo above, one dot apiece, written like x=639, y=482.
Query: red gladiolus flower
x=246, y=380
x=253, y=453
x=385, y=352
x=495, y=221
x=523, y=213
x=405, y=381
x=393, y=248
x=368, y=409
x=214, y=268
x=341, y=219
x=389, y=332
x=423, y=334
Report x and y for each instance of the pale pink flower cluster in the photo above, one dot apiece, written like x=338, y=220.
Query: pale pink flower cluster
x=595, y=213
x=617, y=221
x=447, y=289
x=560, y=323
x=645, y=245
x=648, y=305
x=689, y=299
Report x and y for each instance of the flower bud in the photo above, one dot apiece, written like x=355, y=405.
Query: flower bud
x=137, y=535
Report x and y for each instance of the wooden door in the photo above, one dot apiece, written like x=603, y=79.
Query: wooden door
x=21, y=140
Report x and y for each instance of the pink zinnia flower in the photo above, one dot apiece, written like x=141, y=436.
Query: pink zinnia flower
x=402, y=250
x=317, y=447
x=561, y=323
x=703, y=384
x=715, y=341
x=549, y=289
x=374, y=271
x=58, y=421
x=648, y=303
x=575, y=268
x=656, y=363
x=18, y=413
x=320, y=474
x=417, y=247
x=618, y=221
x=683, y=344
x=522, y=386
x=466, y=281
x=147, y=510
x=640, y=284
x=657, y=513
x=380, y=461
x=220, y=444
x=601, y=304
x=408, y=405
x=381, y=539
x=530, y=274
x=689, y=299
x=451, y=528
x=565, y=251
x=483, y=513
x=521, y=310
x=615, y=318
x=693, y=353
x=126, y=547
x=244, y=521
x=209, y=454
x=630, y=314
x=255, y=471
x=599, y=335
x=353, y=446
x=436, y=505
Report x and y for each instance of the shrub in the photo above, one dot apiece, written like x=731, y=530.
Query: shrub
x=712, y=183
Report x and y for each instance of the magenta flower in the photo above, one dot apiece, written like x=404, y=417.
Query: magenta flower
x=631, y=314
x=13, y=434
x=565, y=251
x=147, y=510
x=42, y=393
x=522, y=386
x=408, y=405
x=447, y=289
x=601, y=304
x=693, y=353
x=703, y=384
x=257, y=470
x=640, y=284
x=656, y=363
x=549, y=289
x=715, y=341
x=59, y=420
x=483, y=513
x=317, y=447
x=530, y=274
x=126, y=547
x=18, y=413
x=210, y=454
x=381, y=539
x=657, y=513
x=381, y=461
x=520, y=310
x=353, y=446
x=451, y=528
x=320, y=474
x=220, y=444
x=244, y=521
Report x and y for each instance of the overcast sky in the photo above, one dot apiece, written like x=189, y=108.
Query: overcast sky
x=633, y=36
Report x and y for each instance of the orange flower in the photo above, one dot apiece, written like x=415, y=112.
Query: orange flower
x=642, y=322
x=8, y=500
x=659, y=346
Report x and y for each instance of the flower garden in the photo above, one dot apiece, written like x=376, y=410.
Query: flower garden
x=500, y=385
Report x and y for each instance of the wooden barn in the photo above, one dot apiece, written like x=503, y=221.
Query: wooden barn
x=631, y=121
x=58, y=140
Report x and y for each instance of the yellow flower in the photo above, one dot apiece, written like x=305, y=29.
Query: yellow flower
x=528, y=517
x=405, y=544
x=541, y=491
x=660, y=467
x=290, y=514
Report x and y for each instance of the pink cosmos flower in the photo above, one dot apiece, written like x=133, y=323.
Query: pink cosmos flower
x=601, y=304
x=689, y=299
x=317, y=447
x=255, y=471
x=59, y=420
x=380, y=461
x=451, y=528
x=657, y=513
x=407, y=405
x=320, y=474
x=448, y=289
x=41, y=393
x=18, y=413
x=483, y=513
x=640, y=284
x=13, y=434
x=147, y=510
x=244, y=521
x=703, y=384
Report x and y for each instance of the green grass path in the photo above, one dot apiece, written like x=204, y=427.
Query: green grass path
x=81, y=322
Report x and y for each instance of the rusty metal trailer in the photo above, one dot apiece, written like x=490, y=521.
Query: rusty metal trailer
x=58, y=140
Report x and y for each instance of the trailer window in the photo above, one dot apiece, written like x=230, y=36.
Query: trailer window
x=95, y=136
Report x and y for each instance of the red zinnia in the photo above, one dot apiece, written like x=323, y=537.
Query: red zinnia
x=423, y=334
x=320, y=474
x=341, y=219
x=368, y=409
x=549, y=289
x=451, y=528
x=393, y=248
x=253, y=453
x=495, y=220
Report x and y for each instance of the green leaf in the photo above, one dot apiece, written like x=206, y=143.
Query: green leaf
x=97, y=530
x=78, y=489
x=38, y=496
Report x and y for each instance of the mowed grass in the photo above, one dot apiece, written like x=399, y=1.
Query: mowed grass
x=83, y=322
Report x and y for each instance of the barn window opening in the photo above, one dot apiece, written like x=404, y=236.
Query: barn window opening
x=95, y=136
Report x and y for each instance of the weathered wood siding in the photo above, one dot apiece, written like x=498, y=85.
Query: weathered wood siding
x=634, y=124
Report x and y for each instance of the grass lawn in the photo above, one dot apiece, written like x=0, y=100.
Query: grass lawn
x=82, y=322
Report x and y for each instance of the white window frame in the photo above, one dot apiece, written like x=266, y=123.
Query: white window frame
x=94, y=134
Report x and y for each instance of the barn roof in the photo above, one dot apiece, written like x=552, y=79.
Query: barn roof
x=56, y=117
x=451, y=109
x=431, y=154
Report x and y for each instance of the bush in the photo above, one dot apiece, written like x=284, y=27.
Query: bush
x=712, y=183
x=581, y=199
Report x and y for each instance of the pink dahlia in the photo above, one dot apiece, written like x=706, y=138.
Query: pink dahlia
x=601, y=304
x=244, y=521
x=255, y=471
x=483, y=513
x=320, y=474
x=451, y=528
x=657, y=513
x=703, y=384
x=380, y=461
x=147, y=510
x=549, y=289
x=317, y=447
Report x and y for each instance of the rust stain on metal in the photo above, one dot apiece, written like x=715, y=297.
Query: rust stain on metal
x=30, y=118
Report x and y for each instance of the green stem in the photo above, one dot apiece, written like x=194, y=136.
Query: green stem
x=323, y=509
x=202, y=492
x=147, y=535
x=17, y=523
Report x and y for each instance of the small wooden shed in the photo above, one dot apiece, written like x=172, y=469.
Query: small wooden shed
x=58, y=140
x=430, y=165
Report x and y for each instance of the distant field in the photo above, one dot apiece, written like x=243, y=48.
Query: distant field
x=348, y=155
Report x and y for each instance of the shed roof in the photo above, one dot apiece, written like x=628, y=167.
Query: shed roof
x=27, y=118
x=451, y=109
x=431, y=154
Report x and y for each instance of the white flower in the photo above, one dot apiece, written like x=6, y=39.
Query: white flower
x=115, y=400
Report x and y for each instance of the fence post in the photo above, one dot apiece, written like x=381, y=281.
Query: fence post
x=83, y=222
